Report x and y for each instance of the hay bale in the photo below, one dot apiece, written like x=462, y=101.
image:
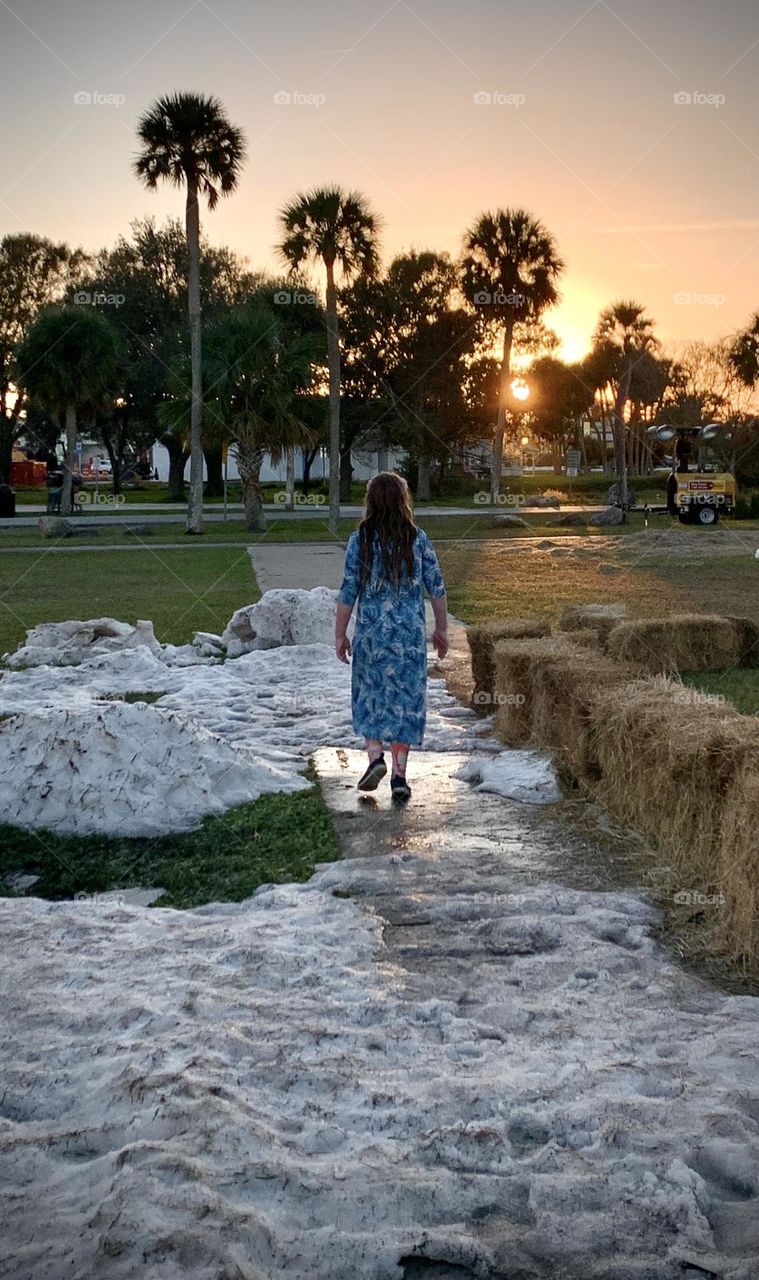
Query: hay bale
x=601, y=618
x=738, y=880
x=543, y=689
x=563, y=693
x=748, y=639
x=588, y=637
x=668, y=763
x=683, y=642
x=482, y=640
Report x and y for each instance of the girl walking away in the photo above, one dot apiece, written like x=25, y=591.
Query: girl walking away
x=389, y=563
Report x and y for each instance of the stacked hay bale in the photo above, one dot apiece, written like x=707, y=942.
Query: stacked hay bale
x=544, y=689
x=686, y=774
x=680, y=767
x=599, y=618
x=684, y=643
x=738, y=921
x=482, y=641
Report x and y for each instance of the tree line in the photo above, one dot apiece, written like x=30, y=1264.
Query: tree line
x=165, y=337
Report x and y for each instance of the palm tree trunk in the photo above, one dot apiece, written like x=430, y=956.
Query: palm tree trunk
x=333, y=358
x=67, y=504
x=503, y=396
x=290, y=480
x=620, y=432
x=423, y=478
x=309, y=456
x=195, y=502
x=346, y=475
x=214, y=456
x=178, y=456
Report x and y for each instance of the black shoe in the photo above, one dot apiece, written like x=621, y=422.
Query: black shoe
x=374, y=775
x=399, y=788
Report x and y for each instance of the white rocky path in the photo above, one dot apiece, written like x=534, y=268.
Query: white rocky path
x=451, y=1059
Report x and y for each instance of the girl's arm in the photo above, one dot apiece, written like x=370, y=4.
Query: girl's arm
x=342, y=643
x=440, y=634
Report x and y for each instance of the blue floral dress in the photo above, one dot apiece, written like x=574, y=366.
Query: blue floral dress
x=389, y=668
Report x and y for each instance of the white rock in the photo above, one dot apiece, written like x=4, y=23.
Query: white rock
x=518, y=775
x=68, y=643
x=282, y=617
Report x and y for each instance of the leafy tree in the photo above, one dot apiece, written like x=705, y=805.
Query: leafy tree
x=559, y=396
x=339, y=230
x=34, y=273
x=188, y=140
x=68, y=363
x=147, y=275
x=408, y=350
x=509, y=274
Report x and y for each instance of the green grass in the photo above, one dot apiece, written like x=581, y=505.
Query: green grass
x=313, y=529
x=179, y=591
x=741, y=687
x=277, y=838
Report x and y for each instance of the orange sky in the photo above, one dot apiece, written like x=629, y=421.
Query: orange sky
x=648, y=197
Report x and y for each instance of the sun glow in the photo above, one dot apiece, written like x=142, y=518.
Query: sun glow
x=520, y=389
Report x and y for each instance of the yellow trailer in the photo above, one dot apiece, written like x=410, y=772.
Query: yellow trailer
x=701, y=497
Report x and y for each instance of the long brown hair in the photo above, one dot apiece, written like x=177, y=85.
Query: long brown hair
x=388, y=514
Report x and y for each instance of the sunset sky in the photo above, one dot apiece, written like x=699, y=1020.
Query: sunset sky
x=647, y=197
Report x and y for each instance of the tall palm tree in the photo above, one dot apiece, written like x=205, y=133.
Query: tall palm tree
x=509, y=271
x=188, y=139
x=69, y=366
x=338, y=229
x=625, y=333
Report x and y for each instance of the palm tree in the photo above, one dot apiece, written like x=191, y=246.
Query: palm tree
x=509, y=271
x=625, y=333
x=69, y=367
x=336, y=228
x=187, y=139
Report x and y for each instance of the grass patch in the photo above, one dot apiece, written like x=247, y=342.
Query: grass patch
x=739, y=686
x=180, y=591
x=276, y=839
x=487, y=581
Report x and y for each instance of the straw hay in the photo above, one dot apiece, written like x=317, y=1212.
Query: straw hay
x=748, y=640
x=482, y=640
x=668, y=763
x=738, y=923
x=588, y=637
x=600, y=618
x=683, y=642
x=543, y=690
